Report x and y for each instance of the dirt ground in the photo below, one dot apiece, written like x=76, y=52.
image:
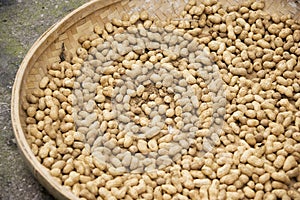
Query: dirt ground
x=21, y=23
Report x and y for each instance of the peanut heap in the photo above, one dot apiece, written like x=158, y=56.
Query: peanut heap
x=206, y=107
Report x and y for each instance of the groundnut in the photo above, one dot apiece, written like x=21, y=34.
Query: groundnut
x=158, y=192
x=54, y=112
x=31, y=111
x=44, y=151
x=229, y=179
x=117, y=182
x=279, y=161
x=128, y=141
x=222, y=171
x=44, y=82
x=188, y=183
x=264, y=44
x=280, y=176
x=289, y=163
x=142, y=146
x=249, y=192
x=152, y=132
x=214, y=45
x=253, y=160
x=59, y=164
x=103, y=192
x=116, y=171
x=152, y=144
x=199, y=182
x=170, y=189
x=119, y=193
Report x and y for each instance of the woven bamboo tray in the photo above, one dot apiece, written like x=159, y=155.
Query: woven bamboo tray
x=47, y=49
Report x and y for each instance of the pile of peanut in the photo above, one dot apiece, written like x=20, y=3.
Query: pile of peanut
x=204, y=107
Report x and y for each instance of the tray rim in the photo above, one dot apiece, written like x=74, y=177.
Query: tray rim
x=37, y=49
